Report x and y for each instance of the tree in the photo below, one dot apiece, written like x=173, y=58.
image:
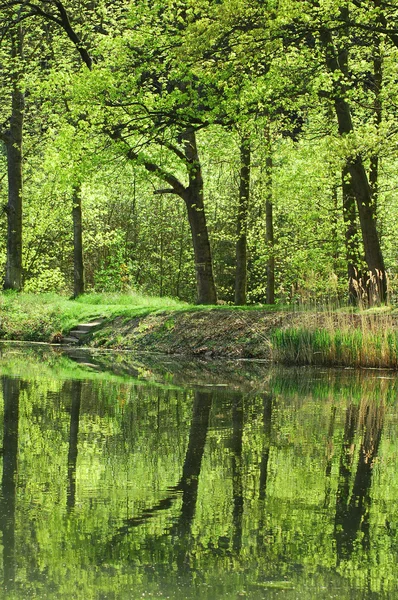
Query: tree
x=11, y=135
x=241, y=227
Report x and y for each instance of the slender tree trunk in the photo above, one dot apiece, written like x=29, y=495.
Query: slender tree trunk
x=180, y=255
x=241, y=224
x=374, y=159
x=193, y=197
x=269, y=230
x=13, y=141
x=78, y=266
x=337, y=62
x=377, y=114
x=11, y=389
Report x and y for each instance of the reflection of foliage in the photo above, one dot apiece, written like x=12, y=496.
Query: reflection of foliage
x=267, y=509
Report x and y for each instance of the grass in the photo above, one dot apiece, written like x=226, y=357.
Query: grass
x=38, y=317
x=366, y=339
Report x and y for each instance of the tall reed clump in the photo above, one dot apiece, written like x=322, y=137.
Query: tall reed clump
x=341, y=339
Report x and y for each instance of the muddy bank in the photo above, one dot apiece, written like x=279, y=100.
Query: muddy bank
x=341, y=339
x=207, y=333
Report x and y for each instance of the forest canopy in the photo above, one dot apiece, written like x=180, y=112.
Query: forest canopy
x=217, y=150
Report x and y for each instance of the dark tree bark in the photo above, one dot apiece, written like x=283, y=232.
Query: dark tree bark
x=78, y=264
x=192, y=194
x=241, y=224
x=269, y=230
x=337, y=62
x=11, y=389
x=193, y=197
x=13, y=142
x=354, y=271
x=377, y=115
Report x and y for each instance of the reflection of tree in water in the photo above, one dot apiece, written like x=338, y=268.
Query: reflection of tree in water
x=352, y=510
x=329, y=457
x=237, y=484
x=11, y=390
x=267, y=416
x=76, y=397
x=187, y=486
x=267, y=426
x=178, y=538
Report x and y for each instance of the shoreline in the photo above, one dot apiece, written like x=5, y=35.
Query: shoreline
x=325, y=338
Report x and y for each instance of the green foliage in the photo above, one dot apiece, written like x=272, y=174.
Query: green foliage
x=224, y=69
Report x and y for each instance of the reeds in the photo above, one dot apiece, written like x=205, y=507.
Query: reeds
x=341, y=339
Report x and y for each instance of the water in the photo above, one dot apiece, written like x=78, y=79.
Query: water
x=158, y=479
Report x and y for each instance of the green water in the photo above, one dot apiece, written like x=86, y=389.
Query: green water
x=127, y=479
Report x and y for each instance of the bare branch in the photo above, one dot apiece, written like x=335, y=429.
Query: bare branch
x=160, y=192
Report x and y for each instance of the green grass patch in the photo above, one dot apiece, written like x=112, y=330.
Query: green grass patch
x=38, y=317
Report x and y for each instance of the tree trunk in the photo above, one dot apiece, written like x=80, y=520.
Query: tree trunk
x=373, y=255
x=351, y=240
x=193, y=197
x=78, y=266
x=13, y=141
x=269, y=230
x=337, y=62
x=377, y=114
x=241, y=224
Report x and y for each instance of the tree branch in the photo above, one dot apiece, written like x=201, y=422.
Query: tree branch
x=72, y=35
x=160, y=192
x=178, y=188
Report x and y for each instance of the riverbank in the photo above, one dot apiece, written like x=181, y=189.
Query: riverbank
x=368, y=339
x=141, y=324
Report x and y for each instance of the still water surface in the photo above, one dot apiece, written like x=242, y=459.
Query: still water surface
x=126, y=480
